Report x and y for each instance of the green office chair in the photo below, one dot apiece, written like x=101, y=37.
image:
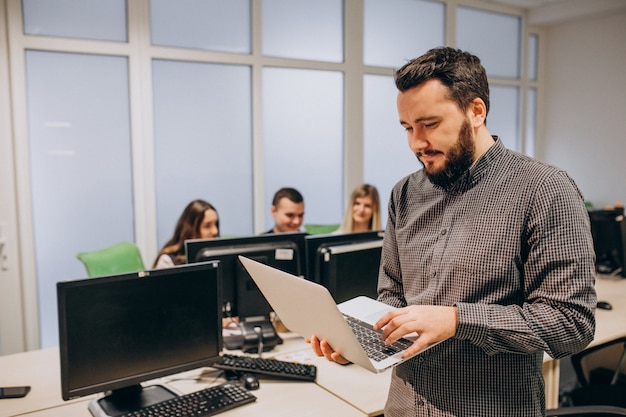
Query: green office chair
x=117, y=259
x=320, y=229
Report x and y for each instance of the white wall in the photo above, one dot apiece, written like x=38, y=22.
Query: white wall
x=585, y=105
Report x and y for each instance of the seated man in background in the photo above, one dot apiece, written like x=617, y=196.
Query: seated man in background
x=287, y=210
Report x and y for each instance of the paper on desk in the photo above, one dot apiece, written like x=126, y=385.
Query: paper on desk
x=301, y=356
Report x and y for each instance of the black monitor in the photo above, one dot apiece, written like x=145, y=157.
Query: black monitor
x=609, y=233
x=346, y=264
x=240, y=295
x=116, y=332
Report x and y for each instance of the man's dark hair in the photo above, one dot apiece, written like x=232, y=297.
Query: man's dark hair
x=460, y=71
x=291, y=193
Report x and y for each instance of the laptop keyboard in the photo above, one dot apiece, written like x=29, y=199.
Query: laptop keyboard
x=372, y=341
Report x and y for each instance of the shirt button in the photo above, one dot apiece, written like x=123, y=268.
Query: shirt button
x=421, y=360
x=420, y=403
x=443, y=232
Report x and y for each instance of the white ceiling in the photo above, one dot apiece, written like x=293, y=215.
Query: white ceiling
x=548, y=12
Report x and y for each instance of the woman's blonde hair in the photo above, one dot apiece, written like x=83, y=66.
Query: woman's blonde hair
x=363, y=190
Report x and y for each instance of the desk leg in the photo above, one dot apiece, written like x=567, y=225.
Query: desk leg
x=551, y=372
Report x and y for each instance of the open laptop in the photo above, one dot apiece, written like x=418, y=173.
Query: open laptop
x=307, y=309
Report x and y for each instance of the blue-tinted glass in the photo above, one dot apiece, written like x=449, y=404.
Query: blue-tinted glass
x=203, y=146
x=215, y=25
x=387, y=157
x=398, y=30
x=95, y=19
x=531, y=123
x=503, y=117
x=80, y=161
x=533, y=50
x=494, y=37
x=303, y=29
x=303, y=140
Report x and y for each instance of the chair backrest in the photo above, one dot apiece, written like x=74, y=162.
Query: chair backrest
x=601, y=364
x=117, y=259
x=600, y=373
x=320, y=229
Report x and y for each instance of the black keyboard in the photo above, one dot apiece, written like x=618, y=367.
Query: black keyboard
x=372, y=340
x=269, y=367
x=207, y=402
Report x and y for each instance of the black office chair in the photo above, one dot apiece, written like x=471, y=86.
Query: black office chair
x=600, y=375
x=587, y=411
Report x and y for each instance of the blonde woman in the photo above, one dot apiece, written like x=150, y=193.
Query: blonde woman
x=363, y=212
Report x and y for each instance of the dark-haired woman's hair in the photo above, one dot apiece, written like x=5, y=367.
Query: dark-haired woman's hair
x=187, y=227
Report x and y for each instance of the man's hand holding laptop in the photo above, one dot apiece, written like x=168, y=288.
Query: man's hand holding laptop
x=433, y=324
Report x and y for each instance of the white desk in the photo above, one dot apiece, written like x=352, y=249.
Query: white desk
x=40, y=370
x=362, y=389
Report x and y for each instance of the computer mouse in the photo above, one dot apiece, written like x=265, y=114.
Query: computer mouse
x=604, y=305
x=249, y=381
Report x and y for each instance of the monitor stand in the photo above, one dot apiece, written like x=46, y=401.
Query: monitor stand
x=126, y=400
x=259, y=335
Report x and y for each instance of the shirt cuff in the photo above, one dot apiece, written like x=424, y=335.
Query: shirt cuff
x=473, y=322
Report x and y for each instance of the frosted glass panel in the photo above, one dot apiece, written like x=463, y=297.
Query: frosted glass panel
x=494, y=37
x=215, y=25
x=303, y=140
x=503, y=117
x=94, y=19
x=531, y=123
x=80, y=164
x=419, y=23
x=303, y=29
x=387, y=157
x=533, y=50
x=203, y=146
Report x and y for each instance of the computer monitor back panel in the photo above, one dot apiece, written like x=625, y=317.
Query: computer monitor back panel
x=118, y=331
x=284, y=251
x=351, y=270
x=316, y=246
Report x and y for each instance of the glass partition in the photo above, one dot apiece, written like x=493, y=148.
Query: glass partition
x=303, y=29
x=203, y=143
x=477, y=31
x=214, y=25
x=303, y=140
x=97, y=19
x=80, y=162
x=387, y=24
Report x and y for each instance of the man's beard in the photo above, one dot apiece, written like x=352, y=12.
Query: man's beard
x=458, y=160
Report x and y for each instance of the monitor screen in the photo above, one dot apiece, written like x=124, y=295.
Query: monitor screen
x=609, y=231
x=118, y=331
x=315, y=246
x=284, y=251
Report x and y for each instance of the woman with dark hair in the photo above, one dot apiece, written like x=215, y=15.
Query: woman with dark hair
x=198, y=221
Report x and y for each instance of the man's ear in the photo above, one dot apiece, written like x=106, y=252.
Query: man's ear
x=273, y=210
x=477, y=112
